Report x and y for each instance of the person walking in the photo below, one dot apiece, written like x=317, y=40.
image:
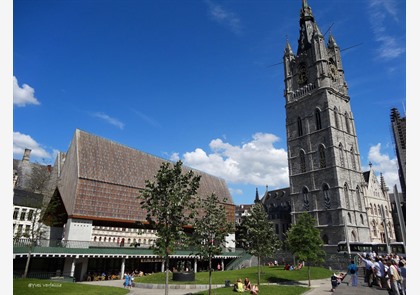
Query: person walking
x=394, y=277
x=352, y=270
x=369, y=269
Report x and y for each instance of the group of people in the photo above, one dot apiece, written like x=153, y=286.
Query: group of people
x=244, y=286
x=388, y=272
x=128, y=280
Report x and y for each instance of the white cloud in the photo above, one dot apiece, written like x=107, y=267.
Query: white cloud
x=224, y=17
x=382, y=163
x=109, y=119
x=23, y=96
x=23, y=141
x=389, y=46
x=256, y=162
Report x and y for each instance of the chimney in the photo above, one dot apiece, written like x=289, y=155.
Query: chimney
x=26, y=155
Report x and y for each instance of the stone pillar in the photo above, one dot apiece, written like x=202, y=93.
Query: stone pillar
x=162, y=269
x=122, y=268
x=195, y=264
x=223, y=264
x=73, y=265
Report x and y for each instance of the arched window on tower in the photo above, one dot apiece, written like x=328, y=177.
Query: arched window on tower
x=300, y=128
x=349, y=217
x=341, y=150
x=318, y=119
x=376, y=209
x=305, y=193
x=359, y=199
x=346, y=117
x=353, y=158
x=326, y=193
x=346, y=195
x=336, y=118
x=322, y=160
x=302, y=161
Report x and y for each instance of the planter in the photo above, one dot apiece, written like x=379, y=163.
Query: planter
x=183, y=276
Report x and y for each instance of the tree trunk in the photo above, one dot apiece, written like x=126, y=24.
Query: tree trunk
x=166, y=274
x=309, y=276
x=210, y=276
x=259, y=270
x=28, y=260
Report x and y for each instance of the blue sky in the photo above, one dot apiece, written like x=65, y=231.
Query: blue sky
x=197, y=80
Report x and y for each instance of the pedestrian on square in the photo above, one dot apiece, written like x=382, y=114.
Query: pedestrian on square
x=352, y=270
x=369, y=269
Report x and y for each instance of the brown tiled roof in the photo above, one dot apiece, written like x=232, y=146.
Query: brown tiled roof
x=101, y=179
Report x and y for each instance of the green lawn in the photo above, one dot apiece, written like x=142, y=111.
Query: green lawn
x=266, y=290
x=268, y=275
x=45, y=287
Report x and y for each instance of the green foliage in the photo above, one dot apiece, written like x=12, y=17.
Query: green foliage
x=45, y=287
x=210, y=230
x=170, y=206
x=304, y=241
x=258, y=235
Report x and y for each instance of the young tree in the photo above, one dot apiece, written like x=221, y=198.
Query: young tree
x=304, y=241
x=170, y=205
x=259, y=237
x=210, y=230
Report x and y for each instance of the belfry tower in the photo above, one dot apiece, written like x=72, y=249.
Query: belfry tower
x=323, y=155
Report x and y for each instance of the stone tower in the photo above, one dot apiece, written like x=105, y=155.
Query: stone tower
x=325, y=173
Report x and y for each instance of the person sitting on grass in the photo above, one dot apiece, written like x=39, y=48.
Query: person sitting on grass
x=254, y=289
x=247, y=284
x=239, y=286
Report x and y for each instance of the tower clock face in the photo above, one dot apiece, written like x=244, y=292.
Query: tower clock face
x=302, y=77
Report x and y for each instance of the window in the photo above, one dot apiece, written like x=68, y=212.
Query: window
x=326, y=193
x=20, y=230
x=362, y=220
x=23, y=214
x=340, y=146
x=349, y=217
x=30, y=214
x=16, y=213
x=336, y=118
x=302, y=162
x=27, y=229
x=359, y=200
x=346, y=195
x=353, y=158
x=318, y=119
x=346, y=117
x=305, y=193
x=322, y=161
x=300, y=129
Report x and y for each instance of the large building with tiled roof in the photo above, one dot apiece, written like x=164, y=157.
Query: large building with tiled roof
x=100, y=182
x=95, y=202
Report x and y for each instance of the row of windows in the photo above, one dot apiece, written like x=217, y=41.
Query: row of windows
x=19, y=230
x=23, y=214
x=318, y=122
x=322, y=158
x=376, y=210
x=123, y=229
x=327, y=198
x=121, y=241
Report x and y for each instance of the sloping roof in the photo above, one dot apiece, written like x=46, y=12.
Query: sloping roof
x=101, y=179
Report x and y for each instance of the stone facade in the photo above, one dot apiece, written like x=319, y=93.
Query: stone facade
x=323, y=154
